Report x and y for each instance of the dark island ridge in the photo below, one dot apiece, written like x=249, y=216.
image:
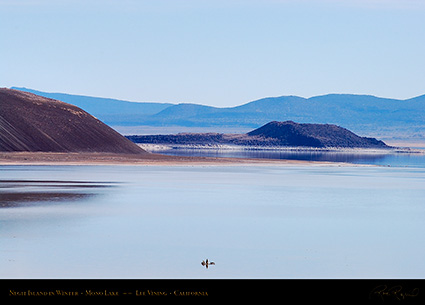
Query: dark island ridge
x=273, y=134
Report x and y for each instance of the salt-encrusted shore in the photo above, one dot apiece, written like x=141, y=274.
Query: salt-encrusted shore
x=225, y=147
x=44, y=158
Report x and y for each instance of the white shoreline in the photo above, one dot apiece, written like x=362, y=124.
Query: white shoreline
x=44, y=158
x=157, y=148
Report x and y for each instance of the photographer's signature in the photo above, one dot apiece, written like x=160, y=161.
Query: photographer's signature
x=394, y=292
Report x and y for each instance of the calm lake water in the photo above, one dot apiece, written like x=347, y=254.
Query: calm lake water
x=253, y=221
x=375, y=158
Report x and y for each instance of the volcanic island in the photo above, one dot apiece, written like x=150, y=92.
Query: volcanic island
x=39, y=130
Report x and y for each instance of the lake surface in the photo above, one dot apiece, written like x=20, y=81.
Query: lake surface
x=253, y=221
x=372, y=158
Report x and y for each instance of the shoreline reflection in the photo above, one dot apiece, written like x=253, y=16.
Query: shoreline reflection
x=19, y=193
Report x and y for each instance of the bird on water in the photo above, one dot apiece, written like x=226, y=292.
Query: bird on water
x=207, y=263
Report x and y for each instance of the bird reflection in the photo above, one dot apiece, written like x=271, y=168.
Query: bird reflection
x=207, y=263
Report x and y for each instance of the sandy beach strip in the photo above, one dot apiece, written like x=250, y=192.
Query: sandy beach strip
x=46, y=158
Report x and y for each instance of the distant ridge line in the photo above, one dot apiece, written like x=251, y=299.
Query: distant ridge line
x=364, y=114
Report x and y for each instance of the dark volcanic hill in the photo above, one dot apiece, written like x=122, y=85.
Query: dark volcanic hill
x=29, y=122
x=314, y=135
x=273, y=134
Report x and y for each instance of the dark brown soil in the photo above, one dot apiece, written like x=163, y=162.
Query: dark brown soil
x=32, y=123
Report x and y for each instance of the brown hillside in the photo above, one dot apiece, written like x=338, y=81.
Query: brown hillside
x=29, y=122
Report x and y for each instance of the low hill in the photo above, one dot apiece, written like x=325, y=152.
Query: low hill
x=32, y=123
x=314, y=135
x=272, y=134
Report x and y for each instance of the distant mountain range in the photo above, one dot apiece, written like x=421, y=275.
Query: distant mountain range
x=364, y=114
x=273, y=134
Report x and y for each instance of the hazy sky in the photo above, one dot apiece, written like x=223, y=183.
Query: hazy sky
x=214, y=52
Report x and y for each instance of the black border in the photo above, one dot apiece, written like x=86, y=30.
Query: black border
x=338, y=291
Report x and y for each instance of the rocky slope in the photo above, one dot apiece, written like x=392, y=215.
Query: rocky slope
x=32, y=123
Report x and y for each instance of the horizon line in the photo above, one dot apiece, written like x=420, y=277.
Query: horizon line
x=189, y=103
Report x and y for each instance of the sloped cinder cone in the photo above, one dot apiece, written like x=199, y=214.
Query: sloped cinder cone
x=32, y=123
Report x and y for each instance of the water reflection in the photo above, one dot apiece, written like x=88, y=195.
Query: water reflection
x=18, y=193
x=289, y=155
x=286, y=221
x=376, y=158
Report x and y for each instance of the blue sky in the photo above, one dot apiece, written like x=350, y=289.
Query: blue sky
x=220, y=52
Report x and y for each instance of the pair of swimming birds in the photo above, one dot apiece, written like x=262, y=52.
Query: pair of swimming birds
x=207, y=263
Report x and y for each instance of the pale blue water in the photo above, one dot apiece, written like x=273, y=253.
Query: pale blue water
x=384, y=159
x=253, y=221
